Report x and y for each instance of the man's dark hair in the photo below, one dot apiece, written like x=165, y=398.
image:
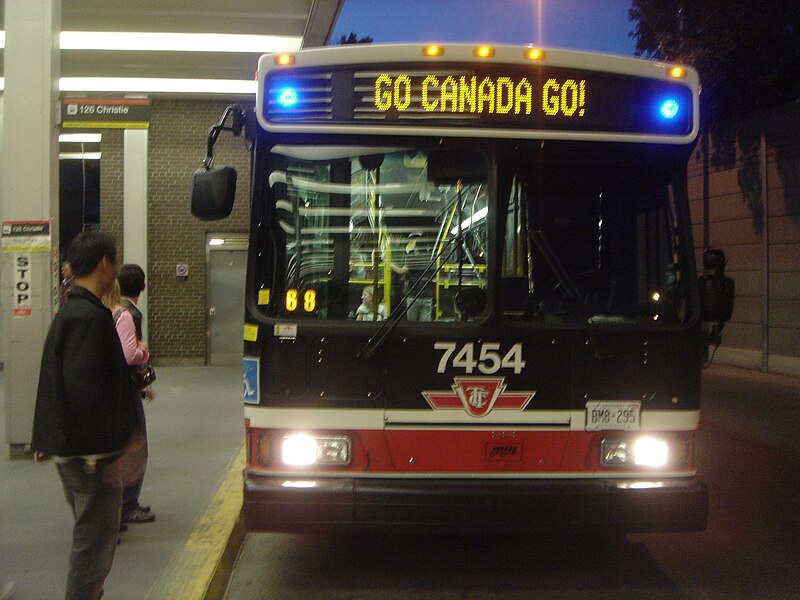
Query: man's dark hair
x=131, y=280
x=88, y=249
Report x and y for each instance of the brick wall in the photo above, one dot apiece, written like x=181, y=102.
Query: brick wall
x=111, y=180
x=177, y=145
x=760, y=250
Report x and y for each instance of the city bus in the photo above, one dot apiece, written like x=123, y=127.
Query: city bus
x=471, y=297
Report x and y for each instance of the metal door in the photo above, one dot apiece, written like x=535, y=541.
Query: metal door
x=227, y=267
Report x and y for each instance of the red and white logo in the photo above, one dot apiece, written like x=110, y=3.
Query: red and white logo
x=478, y=396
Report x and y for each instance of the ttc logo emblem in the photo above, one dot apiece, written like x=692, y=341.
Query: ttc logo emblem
x=478, y=396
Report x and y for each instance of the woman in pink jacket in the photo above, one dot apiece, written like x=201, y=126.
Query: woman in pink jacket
x=136, y=354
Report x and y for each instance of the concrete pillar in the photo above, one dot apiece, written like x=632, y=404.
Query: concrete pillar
x=29, y=196
x=2, y=268
x=134, y=214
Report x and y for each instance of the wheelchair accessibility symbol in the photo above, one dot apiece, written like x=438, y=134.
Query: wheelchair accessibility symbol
x=250, y=380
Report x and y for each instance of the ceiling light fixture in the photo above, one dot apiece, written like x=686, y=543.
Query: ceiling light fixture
x=177, y=42
x=147, y=85
x=144, y=85
x=81, y=138
x=166, y=42
x=79, y=155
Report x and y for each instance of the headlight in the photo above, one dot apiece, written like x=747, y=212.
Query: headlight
x=302, y=449
x=643, y=451
x=650, y=452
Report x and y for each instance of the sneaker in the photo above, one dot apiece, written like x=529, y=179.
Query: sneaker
x=7, y=593
x=144, y=508
x=137, y=515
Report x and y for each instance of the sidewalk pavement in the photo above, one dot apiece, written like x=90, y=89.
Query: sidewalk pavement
x=193, y=483
x=753, y=405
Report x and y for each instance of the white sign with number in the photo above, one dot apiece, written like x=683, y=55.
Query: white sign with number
x=613, y=416
x=488, y=358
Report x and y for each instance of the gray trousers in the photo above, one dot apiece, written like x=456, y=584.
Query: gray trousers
x=421, y=310
x=96, y=506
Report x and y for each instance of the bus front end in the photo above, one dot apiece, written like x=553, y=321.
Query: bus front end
x=471, y=337
x=471, y=301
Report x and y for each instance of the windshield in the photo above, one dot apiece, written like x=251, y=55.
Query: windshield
x=364, y=233
x=590, y=244
x=369, y=233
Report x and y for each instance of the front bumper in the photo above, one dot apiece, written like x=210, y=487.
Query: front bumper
x=468, y=505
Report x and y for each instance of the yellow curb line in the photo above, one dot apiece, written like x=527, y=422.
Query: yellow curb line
x=199, y=570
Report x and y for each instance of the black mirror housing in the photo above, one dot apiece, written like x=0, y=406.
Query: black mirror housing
x=716, y=298
x=213, y=192
x=716, y=290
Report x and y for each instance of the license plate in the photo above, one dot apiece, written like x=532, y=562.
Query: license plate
x=614, y=416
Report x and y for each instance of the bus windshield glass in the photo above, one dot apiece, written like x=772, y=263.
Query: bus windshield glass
x=593, y=242
x=364, y=232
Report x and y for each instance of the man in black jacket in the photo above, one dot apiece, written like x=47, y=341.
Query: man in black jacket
x=85, y=412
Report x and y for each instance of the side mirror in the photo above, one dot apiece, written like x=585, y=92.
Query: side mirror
x=213, y=191
x=716, y=290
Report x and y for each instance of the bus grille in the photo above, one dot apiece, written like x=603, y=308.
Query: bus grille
x=312, y=90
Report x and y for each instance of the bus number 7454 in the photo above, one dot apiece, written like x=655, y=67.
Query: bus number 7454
x=488, y=359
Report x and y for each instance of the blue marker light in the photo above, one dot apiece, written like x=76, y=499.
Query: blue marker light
x=669, y=108
x=287, y=97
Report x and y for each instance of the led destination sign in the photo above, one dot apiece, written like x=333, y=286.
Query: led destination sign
x=490, y=95
x=509, y=97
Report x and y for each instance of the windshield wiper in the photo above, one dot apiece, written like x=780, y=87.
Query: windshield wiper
x=570, y=289
x=551, y=258
x=374, y=343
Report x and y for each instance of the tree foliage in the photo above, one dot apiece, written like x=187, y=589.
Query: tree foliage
x=746, y=51
x=354, y=39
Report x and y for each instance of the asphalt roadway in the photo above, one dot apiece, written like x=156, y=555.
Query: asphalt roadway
x=748, y=455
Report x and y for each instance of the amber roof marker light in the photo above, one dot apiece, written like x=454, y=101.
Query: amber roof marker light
x=284, y=59
x=677, y=72
x=432, y=50
x=533, y=54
